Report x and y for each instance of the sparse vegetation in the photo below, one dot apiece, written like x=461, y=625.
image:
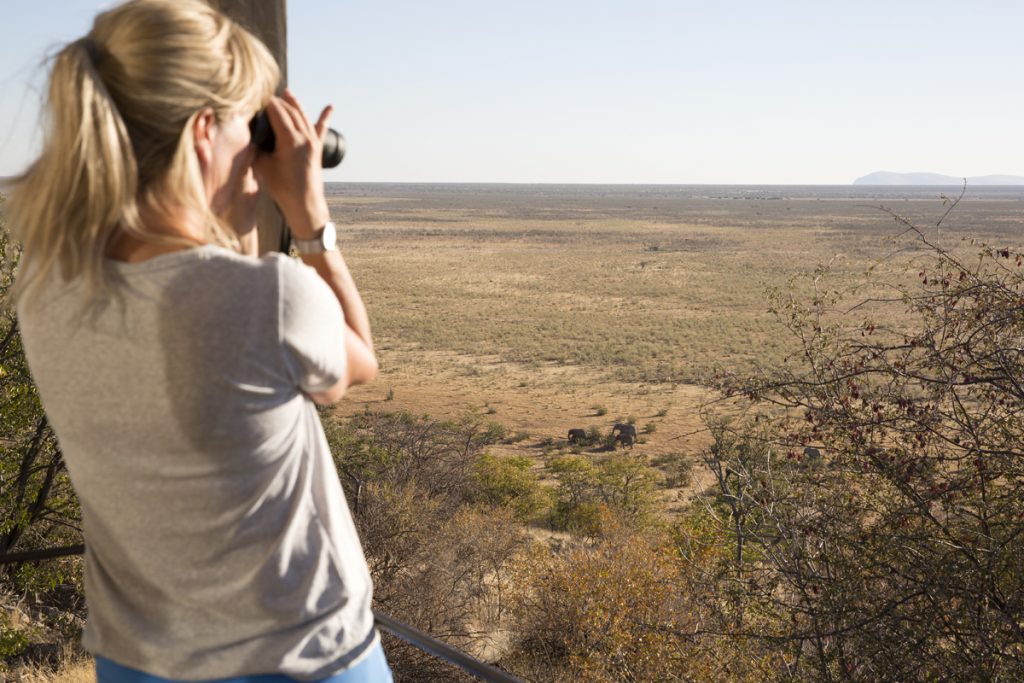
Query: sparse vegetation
x=518, y=437
x=696, y=306
x=437, y=517
x=677, y=469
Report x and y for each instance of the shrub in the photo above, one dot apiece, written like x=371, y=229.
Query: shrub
x=492, y=433
x=607, y=440
x=13, y=641
x=595, y=436
x=678, y=469
x=900, y=556
x=589, y=488
x=396, y=449
x=628, y=607
x=509, y=482
x=518, y=437
x=436, y=517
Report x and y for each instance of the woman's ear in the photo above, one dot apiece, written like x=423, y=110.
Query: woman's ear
x=203, y=131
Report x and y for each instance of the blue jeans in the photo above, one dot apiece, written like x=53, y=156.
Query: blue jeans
x=372, y=669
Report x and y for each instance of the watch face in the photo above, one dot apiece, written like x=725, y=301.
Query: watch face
x=329, y=236
x=326, y=240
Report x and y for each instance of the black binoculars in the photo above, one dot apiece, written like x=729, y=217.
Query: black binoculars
x=263, y=137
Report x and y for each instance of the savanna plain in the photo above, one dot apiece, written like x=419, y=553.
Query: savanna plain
x=547, y=308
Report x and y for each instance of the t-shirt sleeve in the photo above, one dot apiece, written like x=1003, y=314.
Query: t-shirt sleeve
x=312, y=327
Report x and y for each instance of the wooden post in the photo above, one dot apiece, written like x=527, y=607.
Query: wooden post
x=268, y=21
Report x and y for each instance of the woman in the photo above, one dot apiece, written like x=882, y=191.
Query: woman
x=180, y=371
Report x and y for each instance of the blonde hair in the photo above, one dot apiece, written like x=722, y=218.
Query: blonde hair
x=122, y=102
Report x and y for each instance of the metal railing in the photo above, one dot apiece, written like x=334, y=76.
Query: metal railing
x=423, y=641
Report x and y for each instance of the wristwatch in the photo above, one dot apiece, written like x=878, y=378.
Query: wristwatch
x=325, y=240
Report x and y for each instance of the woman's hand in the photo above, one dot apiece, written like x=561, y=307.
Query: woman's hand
x=292, y=173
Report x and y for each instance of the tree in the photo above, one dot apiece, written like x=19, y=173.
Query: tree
x=38, y=507
x=899, y=553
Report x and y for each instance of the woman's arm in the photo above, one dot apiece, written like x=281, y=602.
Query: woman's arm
x=293, y=176
x=361, y=366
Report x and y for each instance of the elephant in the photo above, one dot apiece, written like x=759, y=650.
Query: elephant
x=621, y=428
x=626, y=438
x=577, y=435
x=624, y=434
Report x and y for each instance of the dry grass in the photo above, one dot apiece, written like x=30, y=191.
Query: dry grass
x=607, y=285
x=80, y=673
x=70, y=671
x=641, y=295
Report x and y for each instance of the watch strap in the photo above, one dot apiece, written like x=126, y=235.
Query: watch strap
x=323, y=241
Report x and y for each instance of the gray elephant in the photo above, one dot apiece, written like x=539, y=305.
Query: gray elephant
x=624, y=434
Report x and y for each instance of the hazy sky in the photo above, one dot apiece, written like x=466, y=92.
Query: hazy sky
x=626, y=91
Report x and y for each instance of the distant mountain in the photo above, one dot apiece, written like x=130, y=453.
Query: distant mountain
x=887, y=178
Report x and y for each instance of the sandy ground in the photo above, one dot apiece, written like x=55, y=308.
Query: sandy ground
x=541, y=400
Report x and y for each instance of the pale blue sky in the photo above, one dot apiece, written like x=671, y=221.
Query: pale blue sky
x=626, y=91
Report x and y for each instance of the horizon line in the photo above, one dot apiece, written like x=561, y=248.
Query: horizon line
x=6, y=180
x=660, y=184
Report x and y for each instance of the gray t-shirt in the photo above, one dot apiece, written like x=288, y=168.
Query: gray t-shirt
x=219, y=541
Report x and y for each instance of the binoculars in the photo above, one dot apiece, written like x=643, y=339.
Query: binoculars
x=263, y=137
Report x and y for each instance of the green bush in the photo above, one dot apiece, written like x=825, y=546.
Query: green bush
x=618, y=483
x=582, y=518
x=493, y=432
x=13, y=641
x=509, y=482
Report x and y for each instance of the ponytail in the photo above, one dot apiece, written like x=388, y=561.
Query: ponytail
x=67, y=206
x=121, y=104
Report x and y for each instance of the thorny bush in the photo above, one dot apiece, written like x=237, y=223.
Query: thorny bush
x=438, y=549
x=38, y=508
x=898, y=553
